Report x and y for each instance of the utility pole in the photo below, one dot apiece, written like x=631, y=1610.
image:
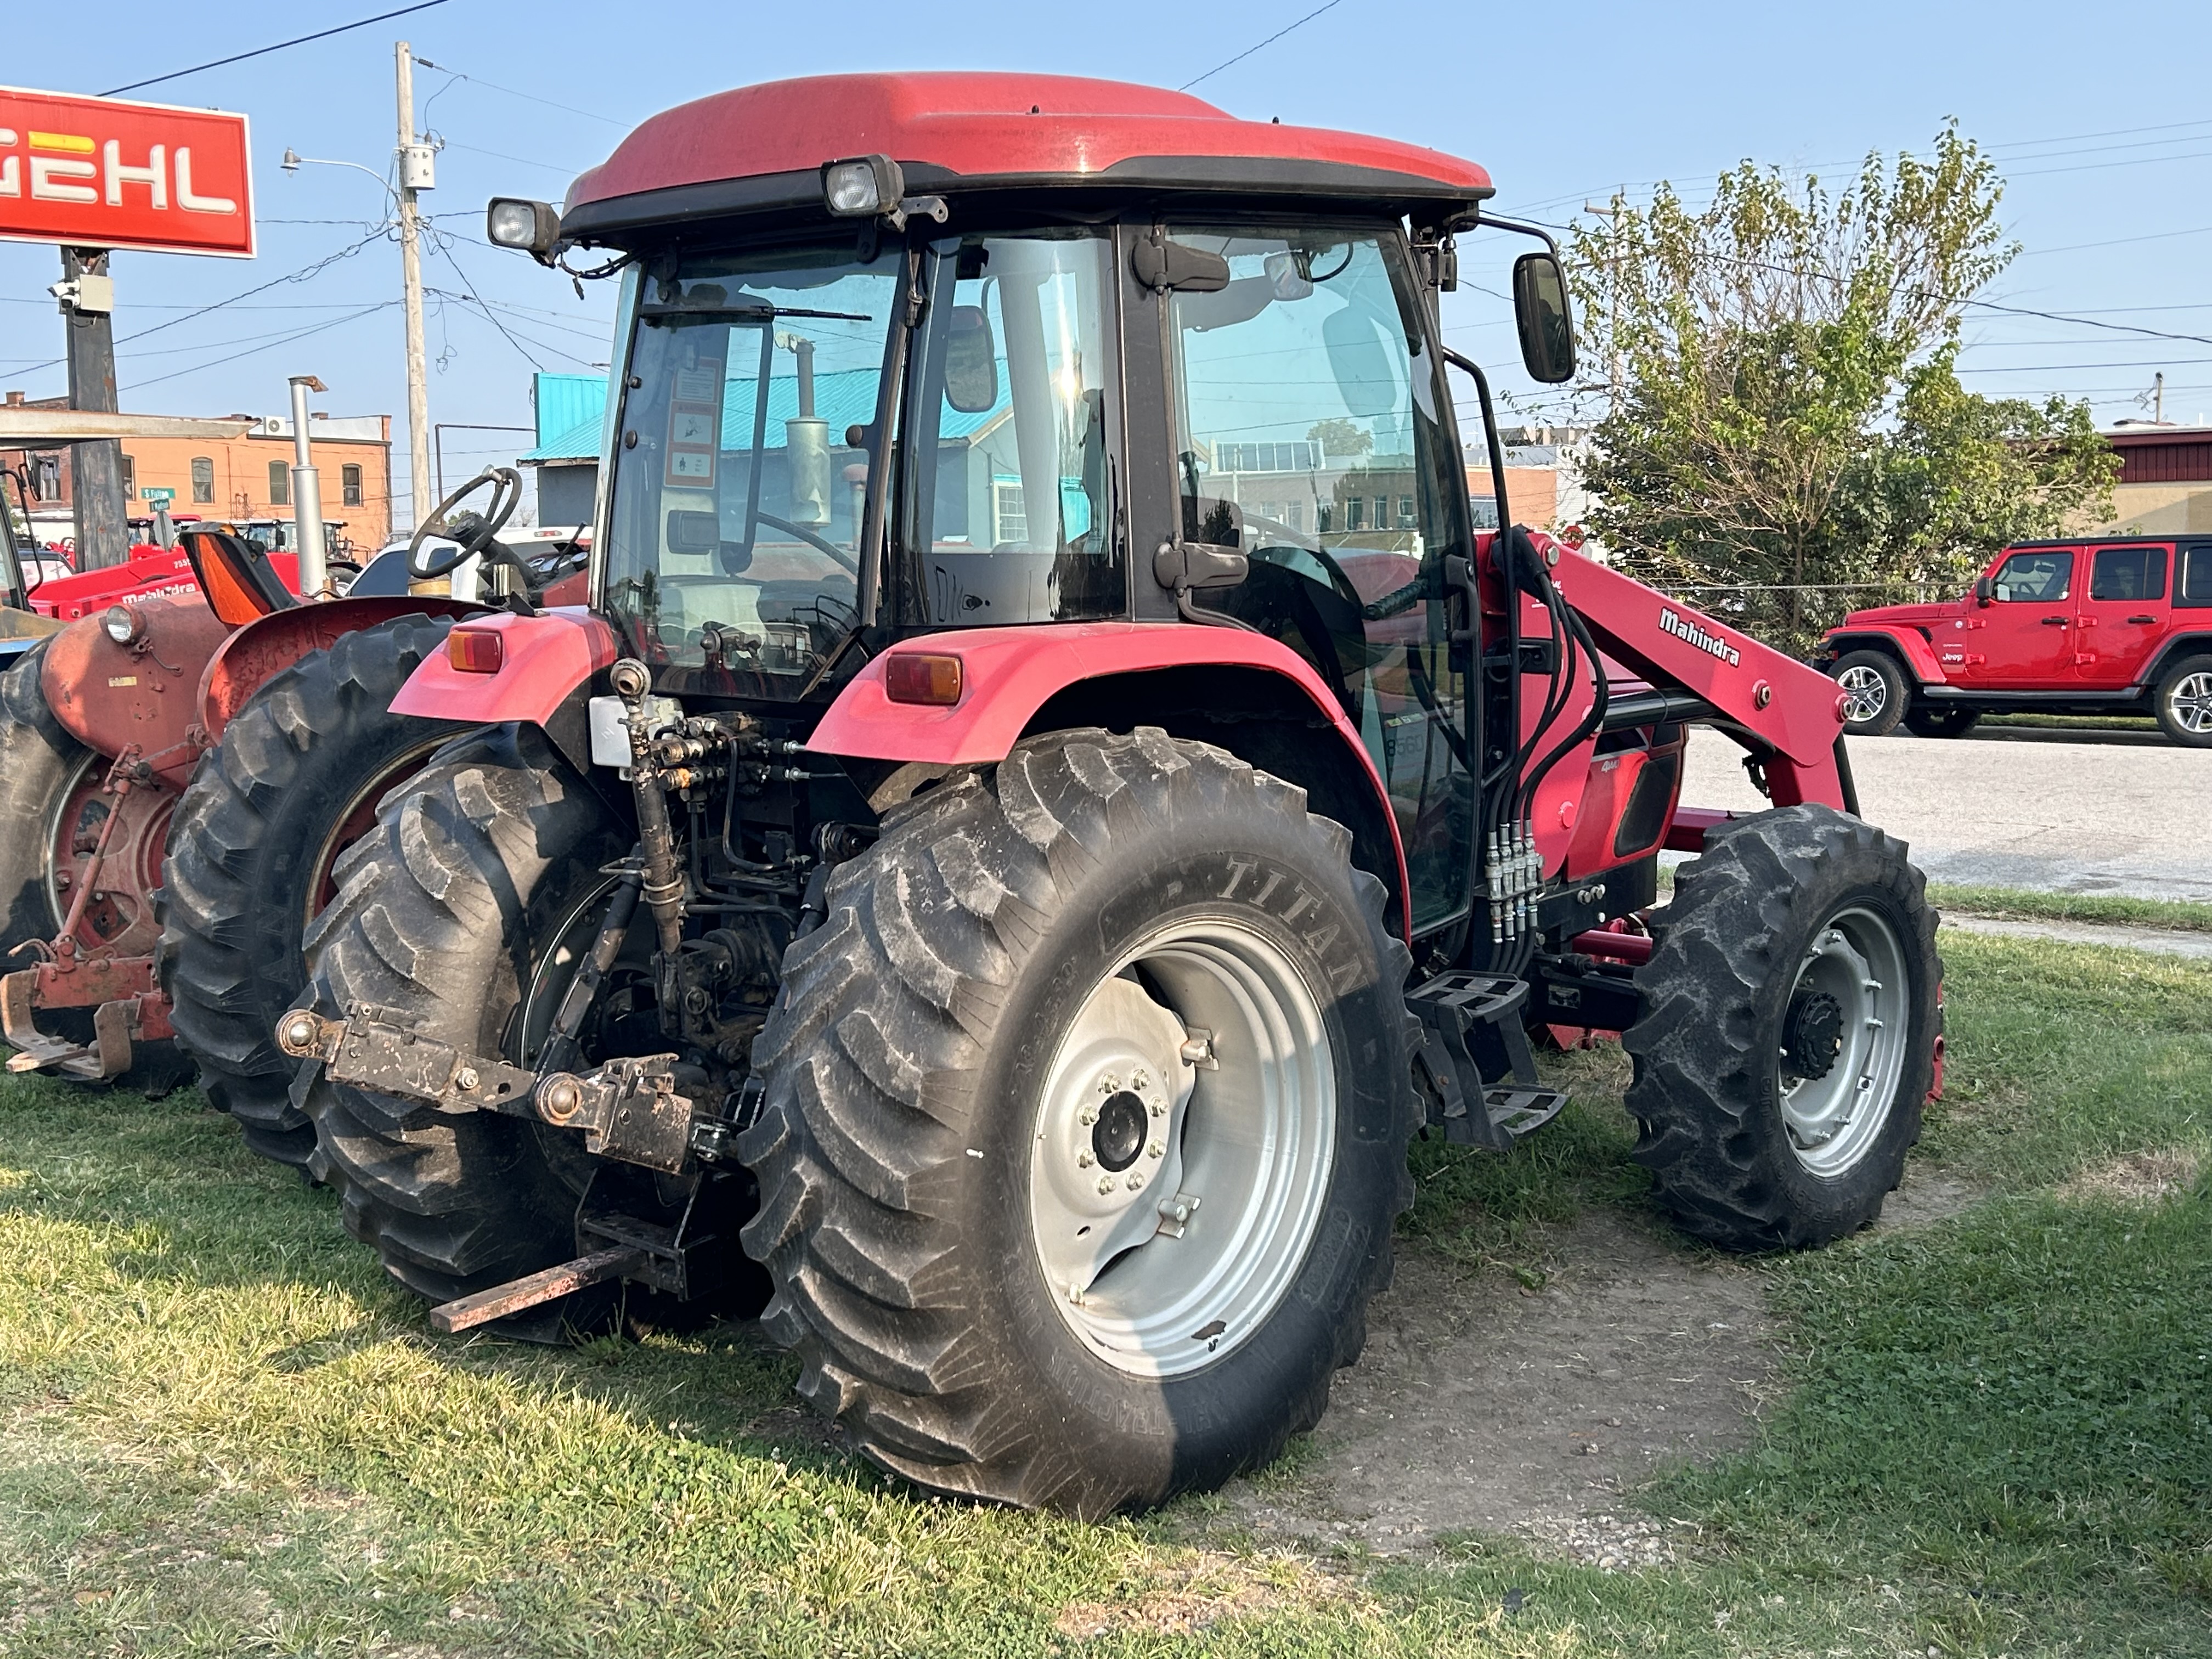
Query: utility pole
x=2158, y=397
x=414, y=174
x=1612, y=301
x=86, y=293
x=306, y=494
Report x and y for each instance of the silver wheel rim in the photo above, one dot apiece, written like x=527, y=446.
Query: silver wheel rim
x=2190, y=704
x=1865, y=693
x=1834, y=1119
x=1169, y=1261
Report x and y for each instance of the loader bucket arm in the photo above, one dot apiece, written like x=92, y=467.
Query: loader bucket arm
x=1772, y=704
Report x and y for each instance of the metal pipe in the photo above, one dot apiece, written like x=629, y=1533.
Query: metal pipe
x=306, y=496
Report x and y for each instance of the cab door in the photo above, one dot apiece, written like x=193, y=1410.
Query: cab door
x=2026, y=639
x=2122, y=614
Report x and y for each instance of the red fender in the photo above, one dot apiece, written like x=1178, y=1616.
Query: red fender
x=266, y=646
x=542, y=658
x=1910, y=642
x=110, y=697
x=1007, y=674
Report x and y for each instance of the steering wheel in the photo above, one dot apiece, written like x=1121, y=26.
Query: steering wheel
x=473, y=531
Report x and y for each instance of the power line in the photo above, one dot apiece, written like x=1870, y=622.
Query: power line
x=1269, y=41
x=493, y=86
x=263, y=52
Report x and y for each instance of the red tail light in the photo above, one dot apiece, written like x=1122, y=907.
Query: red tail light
x=919, y=677
x=474, y=651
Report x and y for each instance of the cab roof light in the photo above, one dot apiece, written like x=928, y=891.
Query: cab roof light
x=517, y=223
x=862, y=186
x=923, y=677
x=474, y=651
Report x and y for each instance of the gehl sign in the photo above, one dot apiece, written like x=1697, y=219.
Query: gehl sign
x=97, y=173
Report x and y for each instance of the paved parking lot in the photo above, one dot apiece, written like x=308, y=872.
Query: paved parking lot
x=2072, y=814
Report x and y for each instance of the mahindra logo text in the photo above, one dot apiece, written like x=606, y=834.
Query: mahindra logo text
x=1690, y=634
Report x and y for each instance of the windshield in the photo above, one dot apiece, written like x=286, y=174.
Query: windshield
x=741, y=465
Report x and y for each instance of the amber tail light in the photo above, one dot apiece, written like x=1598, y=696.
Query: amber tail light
x=474, y=651
x=922, y=676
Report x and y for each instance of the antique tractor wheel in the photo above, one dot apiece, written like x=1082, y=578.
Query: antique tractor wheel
x=42, y=767
x=1085, y=1125
x=251, y=855
x=1790, y=1031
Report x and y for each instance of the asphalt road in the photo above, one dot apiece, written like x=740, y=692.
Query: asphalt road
x=2061, y=812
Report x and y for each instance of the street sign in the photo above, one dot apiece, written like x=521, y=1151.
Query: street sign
x=110, y=172
x=158, y=495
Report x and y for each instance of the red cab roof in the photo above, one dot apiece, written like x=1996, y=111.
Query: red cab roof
x=949, y=128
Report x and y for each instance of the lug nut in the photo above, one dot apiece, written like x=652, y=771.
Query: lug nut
x=1138, y=1081
x=466, y=1078
x=1157, y=1149
x=1159, y=1107
x=1136, y=1180
x=1105, y=1184
x=1084, y=1160
x=1086, y=1117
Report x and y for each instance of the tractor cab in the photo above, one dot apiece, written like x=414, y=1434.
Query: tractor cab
x=1050, y=791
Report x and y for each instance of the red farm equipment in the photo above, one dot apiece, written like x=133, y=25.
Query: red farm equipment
x=1050, y=793
x=184, y=763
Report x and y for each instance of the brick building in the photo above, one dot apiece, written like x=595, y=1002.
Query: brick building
x=247, y=477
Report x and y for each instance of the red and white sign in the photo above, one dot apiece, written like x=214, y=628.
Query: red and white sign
x=105, y=173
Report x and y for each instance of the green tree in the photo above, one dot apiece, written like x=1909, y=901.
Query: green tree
x=1785, y=411
x=1337, y=436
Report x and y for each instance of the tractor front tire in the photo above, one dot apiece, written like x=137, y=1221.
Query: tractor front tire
x=442, y=915
x=2185, y=702
x=1874, y=692
x=1791, y=1014
x=1085, y=1125
x=250, y=853
x=39, y=762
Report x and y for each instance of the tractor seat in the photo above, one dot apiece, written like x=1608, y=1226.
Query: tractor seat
x=235, y=576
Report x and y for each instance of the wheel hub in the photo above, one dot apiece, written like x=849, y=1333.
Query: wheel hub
x=1864, y=691
x=2191, y=704
x=1119, y=1134
x=1812, y=1036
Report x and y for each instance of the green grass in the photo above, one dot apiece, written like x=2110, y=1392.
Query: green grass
x=2073, y=907
x=222, y=1433
x=2077, y=722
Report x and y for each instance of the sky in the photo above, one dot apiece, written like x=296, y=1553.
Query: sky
x=2098, y=122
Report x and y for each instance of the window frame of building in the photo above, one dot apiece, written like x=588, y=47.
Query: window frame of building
x=203, y=474
x=350, y=485
x=280, y=484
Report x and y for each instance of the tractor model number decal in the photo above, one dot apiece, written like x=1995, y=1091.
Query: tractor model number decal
x=1690, y=634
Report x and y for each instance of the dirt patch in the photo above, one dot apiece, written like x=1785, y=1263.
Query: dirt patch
x=2138, y=1178
x=1207, y=1591
x=1925, y=1197
x=1482, y=1404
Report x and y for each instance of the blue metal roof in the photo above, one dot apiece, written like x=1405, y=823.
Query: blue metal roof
x=571, y=411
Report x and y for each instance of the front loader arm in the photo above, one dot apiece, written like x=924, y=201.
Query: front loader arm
x=1790, y=714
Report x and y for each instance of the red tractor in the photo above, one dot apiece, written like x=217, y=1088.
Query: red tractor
x=1050, y=793
x=185, y=763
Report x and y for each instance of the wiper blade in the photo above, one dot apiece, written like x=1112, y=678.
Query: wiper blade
x=761, y=312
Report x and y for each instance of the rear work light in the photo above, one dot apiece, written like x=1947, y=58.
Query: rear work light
x=475, y=650
x=863, y=186
x=124, y=624
x=922, y=677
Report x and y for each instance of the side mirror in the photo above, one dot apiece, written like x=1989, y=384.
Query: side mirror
x=1545, y=319
x=1984, y=590
x=971, y=362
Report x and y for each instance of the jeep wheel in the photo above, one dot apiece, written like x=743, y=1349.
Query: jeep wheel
x=252, y=851
x=2185, y=702
x=1924, y=721
x=1085, y=1125
x=1788, y=1032
x=1873, y=692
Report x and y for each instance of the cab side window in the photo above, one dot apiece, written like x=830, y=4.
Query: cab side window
x=2034, y=578
x=2128, y=573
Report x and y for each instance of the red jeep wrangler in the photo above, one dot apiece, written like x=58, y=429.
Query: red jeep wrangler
x=2104, y=625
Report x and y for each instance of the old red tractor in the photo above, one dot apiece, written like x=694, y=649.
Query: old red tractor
x=183, y=766
x=1050, y=793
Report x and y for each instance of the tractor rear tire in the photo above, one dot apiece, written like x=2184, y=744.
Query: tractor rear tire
x=1924, y=721
x=39, y=761
x=1876, y=692
x=958, y=1071
x=1798, y=929
x=250, y=855
x=441, y=913
x=2185, y=702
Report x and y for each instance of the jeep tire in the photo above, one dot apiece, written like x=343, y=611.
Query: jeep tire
x=2184, y=703
x=1874, y=688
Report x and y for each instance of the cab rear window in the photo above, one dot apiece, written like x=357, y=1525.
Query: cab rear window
x=2193, y=576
